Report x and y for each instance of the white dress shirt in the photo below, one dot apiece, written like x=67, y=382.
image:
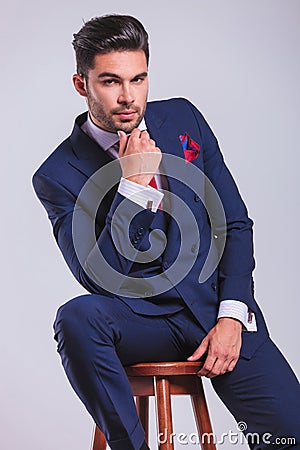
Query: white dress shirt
x=145, y=195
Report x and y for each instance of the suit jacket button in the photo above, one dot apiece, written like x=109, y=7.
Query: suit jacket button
x=194, y=248
x=214, y=286
x=140, y=231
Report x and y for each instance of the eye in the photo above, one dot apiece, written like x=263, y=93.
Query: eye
x=138, y=80
x=109, y=82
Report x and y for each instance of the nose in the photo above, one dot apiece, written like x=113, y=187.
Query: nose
x=126, y=95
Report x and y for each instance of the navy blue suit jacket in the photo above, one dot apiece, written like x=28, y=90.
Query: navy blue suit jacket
x=61, y=178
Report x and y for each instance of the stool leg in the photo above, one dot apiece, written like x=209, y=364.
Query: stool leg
x=164, y=413
x=142, y=406
x=99, y=442
x=202, y=419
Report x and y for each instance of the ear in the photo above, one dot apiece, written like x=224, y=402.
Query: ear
x=79, y=84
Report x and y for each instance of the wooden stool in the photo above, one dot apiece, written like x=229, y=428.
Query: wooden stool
x=163, y=379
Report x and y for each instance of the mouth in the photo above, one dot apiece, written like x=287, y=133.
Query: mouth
x=126, y=115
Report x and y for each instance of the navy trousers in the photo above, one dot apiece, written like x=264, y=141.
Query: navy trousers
x=97, y=336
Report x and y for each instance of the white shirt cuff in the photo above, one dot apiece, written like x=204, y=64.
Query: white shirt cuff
x=142, y=195
x=238, y=310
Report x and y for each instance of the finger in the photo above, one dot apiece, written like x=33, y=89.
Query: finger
x=199, y=351
x=228, y=366
x=123, y=142
x=232, y=365
x=216, y=369
x=136, y=133
x=145, y=135
x=207, y=366
x=147, y=141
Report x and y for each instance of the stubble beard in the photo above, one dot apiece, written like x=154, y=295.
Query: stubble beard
x=107, y=121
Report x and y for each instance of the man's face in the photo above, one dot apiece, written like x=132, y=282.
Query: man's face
x=117, y=89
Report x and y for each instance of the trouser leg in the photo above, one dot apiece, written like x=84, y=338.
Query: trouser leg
x=96, y=337
x=263, y=394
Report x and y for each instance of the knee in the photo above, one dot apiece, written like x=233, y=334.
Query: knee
x=75, y=320
x=72, y=312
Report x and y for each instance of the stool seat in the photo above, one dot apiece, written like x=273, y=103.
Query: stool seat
x=163, y=379
x=163, y=368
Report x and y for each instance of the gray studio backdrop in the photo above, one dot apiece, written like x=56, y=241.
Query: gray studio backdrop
x=238, y=61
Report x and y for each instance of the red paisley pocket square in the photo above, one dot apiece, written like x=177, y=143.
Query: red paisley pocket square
x=190, y=147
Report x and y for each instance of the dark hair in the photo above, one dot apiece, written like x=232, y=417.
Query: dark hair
x=106, y=34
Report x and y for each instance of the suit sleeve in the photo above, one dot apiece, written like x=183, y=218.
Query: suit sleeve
x=98, y=256
x=237, y=263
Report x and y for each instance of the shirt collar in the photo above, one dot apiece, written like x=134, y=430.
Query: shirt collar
x=104, y=138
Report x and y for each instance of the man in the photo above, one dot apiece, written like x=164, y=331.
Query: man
x=151, y=223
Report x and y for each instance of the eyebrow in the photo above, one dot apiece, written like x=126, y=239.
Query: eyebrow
x=114, y=75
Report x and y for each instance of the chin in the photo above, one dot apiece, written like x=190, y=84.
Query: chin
x=127, y=127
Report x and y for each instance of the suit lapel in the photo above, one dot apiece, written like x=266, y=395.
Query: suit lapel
x=169, y=143
x=89, y=157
